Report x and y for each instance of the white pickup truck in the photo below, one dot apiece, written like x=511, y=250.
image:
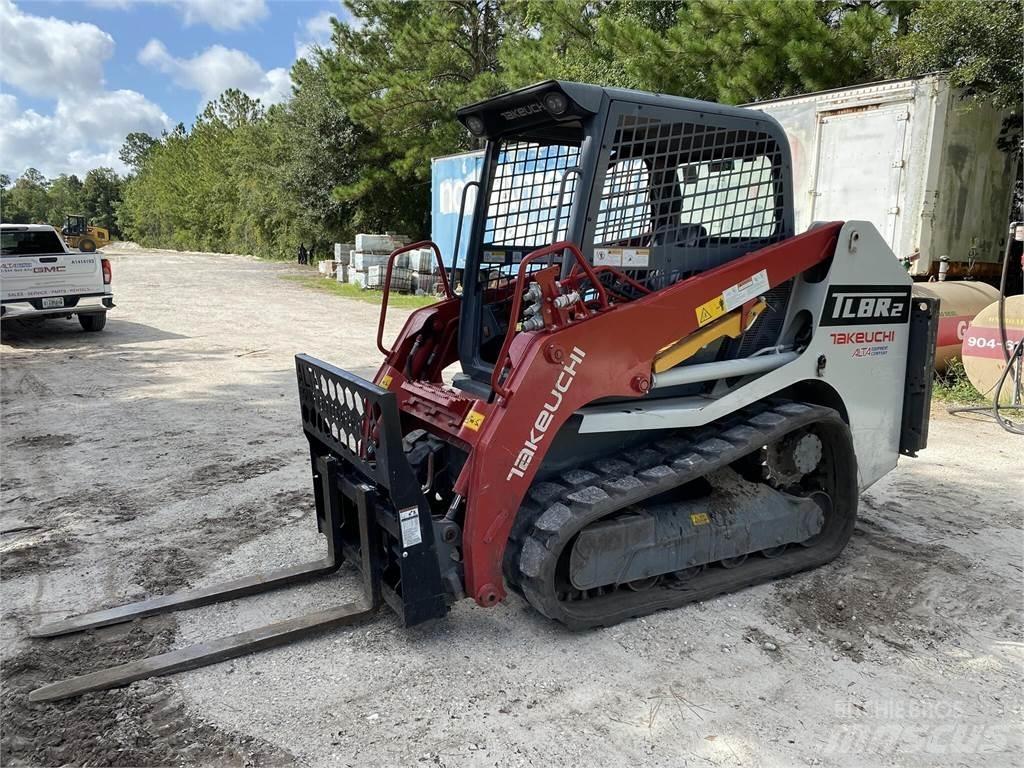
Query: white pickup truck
x=40, y=277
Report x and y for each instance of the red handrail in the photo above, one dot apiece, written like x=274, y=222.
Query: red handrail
x=517, y=300
x=387, y=285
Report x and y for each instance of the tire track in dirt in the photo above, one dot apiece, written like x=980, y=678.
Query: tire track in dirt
x=880, y=589
x=144, y=724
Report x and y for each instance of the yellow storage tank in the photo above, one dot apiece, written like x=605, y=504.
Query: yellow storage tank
x=984, y=360
x=960, y=301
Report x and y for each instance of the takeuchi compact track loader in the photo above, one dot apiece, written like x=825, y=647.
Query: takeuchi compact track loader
x=663, y=394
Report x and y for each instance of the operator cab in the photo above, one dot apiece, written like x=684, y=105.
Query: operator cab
x=75, y=224
x=653, y=189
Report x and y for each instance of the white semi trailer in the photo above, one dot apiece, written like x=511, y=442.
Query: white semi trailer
x=912, y=157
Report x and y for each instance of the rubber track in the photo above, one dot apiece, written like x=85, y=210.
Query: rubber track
x=556, y=511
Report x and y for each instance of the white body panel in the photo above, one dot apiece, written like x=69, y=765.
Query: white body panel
x=869, y=379
x=911, y=157
x=58, y=282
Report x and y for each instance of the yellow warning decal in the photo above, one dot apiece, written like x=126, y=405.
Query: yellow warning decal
x=385, y=381
x=700, y=518
x=710, y=310
x=473, y=420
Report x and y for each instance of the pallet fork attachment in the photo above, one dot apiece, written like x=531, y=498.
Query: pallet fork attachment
x=355, y=505
x=231, y=646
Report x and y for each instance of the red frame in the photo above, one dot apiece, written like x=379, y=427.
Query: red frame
x=517, y=301
x=387, y=285
x=618, y=346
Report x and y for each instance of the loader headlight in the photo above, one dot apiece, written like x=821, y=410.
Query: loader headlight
x=556, y=103
x=476, y=125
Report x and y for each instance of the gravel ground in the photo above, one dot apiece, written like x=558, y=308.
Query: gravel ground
x=167, y=452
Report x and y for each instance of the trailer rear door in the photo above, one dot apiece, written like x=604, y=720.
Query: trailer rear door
x=860, y=167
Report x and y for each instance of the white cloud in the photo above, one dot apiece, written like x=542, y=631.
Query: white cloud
x=82, y=132
x=222, y=14
x=216, y=69
x=219, y=14
x=48, y=55
x=51, y=59
x=316, y=31
x=319, y=26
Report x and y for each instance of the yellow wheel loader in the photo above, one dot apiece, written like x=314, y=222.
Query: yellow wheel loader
x=79, y=233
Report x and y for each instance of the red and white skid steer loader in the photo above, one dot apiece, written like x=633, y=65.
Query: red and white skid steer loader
x=665, y=392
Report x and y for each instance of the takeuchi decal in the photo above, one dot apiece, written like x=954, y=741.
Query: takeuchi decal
x=518, y=112
x=863, y=337
x=546, y=415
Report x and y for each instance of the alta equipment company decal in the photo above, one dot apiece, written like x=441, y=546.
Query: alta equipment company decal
x=867, y=305
x=864, y=343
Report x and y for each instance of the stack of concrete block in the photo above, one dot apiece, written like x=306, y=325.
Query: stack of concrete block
x=422, y=260
x=423, y=263
x=371, y=252
x=401, y=278
x=362, y=260
x=385, y=243
x=337, y=268
x=427, y=284
x=343, y=253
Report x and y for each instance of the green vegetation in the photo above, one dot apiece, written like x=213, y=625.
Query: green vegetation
x=978, y=42
x=34, y=199
x=349, y=291
x=954, y=387
x=350, y=151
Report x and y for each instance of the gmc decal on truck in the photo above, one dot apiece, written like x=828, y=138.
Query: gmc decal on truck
x=867, y=305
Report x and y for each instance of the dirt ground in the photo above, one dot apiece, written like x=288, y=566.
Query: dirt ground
x=167, y=452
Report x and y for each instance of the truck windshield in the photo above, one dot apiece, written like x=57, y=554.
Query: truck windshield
x=29, y=242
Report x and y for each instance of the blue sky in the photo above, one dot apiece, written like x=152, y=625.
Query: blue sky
x=77, y=75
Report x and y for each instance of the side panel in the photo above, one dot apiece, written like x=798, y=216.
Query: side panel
x=975, y=182
x=866, y=363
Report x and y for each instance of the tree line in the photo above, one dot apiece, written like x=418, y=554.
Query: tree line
x=350, y=151
x=34, y=199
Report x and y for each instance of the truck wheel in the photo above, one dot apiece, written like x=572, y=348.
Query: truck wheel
x=87, y=246
x=92, y=322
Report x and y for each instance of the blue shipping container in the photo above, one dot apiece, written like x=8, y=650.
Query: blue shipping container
x=448, y=177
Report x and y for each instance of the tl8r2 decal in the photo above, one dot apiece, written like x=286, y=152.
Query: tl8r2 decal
x=867, y=305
